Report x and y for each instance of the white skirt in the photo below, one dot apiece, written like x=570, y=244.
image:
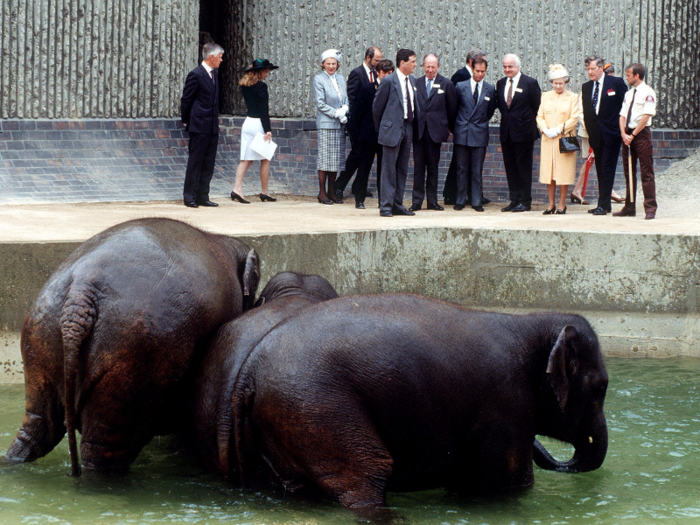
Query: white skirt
x=251, y=127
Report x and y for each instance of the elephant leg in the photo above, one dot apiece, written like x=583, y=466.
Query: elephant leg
x=115, y=425
x=338, y=449
x=42, y=428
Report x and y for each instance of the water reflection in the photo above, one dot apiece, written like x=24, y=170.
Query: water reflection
x=651, y=474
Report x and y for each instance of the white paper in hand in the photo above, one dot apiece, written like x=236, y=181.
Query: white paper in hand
x=262, y=147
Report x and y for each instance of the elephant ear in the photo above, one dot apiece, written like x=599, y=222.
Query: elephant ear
x=559, y=368
x=251, y=278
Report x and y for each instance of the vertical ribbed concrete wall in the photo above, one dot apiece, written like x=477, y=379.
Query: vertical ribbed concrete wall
x=663, y=34
x=95, y=58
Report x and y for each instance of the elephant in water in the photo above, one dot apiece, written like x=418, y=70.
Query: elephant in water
x=284, y=296
x=363, y=394
x=113, y=334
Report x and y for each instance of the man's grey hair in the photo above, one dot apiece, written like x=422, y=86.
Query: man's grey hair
x=594, y=58
x=474, y=53
x=431, y=55
x=514, y=57
x=211, y=49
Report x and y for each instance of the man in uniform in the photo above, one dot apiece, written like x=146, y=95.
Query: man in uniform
x=635, y=127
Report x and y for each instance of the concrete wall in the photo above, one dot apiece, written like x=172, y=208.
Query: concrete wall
x=663, y=34
x=95, y=58
x=639, y=291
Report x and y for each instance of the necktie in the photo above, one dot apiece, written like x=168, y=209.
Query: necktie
x=476, y=94
x=212, y=77
x=596, y=92
x=409, y=109
x=429, y=87
x=371, y=75
x=509, y=99
x=629, y=112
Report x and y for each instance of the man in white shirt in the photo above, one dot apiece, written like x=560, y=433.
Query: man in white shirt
x=637, y=110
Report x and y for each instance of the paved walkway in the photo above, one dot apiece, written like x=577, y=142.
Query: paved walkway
x=77, y=222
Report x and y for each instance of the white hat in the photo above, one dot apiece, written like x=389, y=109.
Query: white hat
x=557, y=71
x=331, y=53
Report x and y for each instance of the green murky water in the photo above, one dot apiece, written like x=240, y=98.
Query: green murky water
x=651, y=474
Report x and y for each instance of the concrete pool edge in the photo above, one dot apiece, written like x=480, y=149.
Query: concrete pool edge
x=639, y=291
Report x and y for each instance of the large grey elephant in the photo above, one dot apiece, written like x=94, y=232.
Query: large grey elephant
x=112, y=335
x=362, y=394
x=284, y=296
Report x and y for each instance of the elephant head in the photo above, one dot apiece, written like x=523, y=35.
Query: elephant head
x=574, y=394
x=292, y=284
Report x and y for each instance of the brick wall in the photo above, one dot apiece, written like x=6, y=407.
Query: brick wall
x=96, y=160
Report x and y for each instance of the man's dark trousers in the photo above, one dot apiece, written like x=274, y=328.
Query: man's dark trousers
x=517, y=159
x=395, y=170
x=200, y=166
x=426, y=154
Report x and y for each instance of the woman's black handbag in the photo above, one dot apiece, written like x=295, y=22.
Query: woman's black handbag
x=568, y=144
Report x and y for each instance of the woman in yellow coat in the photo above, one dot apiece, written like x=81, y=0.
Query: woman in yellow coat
x=558, y=114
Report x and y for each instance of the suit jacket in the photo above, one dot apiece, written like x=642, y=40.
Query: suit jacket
x=437, y=116
x=387, y=109
x=357, y=79
x=605, y=126
x=518, y=121
x=199, y=105
x=461, y=75
x=364, y=120
x=472, y=126
x=327, y=100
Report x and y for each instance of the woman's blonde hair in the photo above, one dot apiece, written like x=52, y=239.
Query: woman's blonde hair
x=251, y=77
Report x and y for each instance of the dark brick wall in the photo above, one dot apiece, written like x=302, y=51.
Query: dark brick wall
x=144, y=159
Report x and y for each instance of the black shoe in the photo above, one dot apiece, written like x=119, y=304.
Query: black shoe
x=338, y=196
x=599, y=211
x=360, y=205
x=549, y=212
x=435, y=206
x=236, y=197
x=650, y=216
x=485, y=201
x=415, y=207
x=385, y=214
x=321, y=201
x=478, y=208
x=337, y=200
x=192, y=205
x=520, y=207
x=459, y=207
x=208, y=204
x=509, y=207
x=561, y=212
x=264, y=198
x=401, y=211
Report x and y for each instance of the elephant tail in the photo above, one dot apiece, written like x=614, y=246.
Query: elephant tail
x=242, y=401
x=77, y=321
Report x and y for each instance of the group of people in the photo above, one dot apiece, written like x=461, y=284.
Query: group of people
x=385, y=110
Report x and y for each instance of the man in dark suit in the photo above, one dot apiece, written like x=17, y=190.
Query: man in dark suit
x=394, y=109
x=449, y=192
x=519, y=98
x=477, y=104
x=601, y=101
x=361, y=76
x=438, y=102
x=367, y=136
x=199, y=108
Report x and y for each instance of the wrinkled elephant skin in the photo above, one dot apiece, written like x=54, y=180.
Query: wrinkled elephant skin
x=362, y=394
x=114, y=331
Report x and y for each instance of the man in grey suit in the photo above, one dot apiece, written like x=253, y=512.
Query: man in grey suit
x=394, y=109
x=476, y=105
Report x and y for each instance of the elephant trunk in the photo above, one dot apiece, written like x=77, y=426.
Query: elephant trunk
x=588, y=455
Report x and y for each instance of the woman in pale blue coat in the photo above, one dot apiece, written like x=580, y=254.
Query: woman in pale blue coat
x=331, y=100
